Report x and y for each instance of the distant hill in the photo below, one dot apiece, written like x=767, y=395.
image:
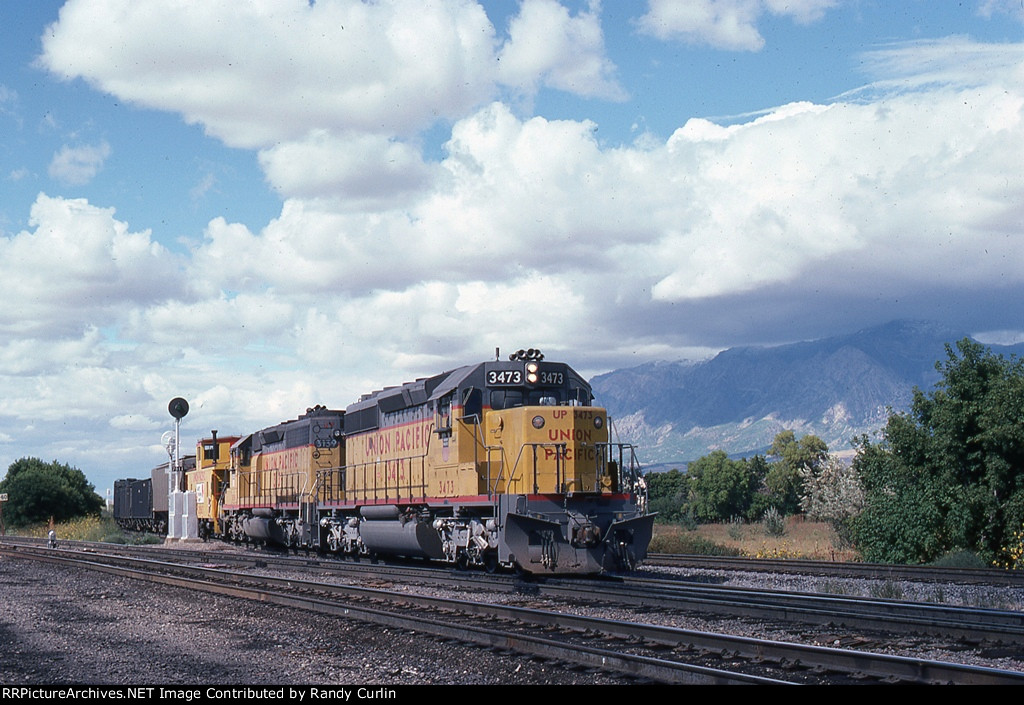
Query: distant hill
x=836, y=388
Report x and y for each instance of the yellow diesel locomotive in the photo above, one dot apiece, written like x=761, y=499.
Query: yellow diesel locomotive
x=501, y=463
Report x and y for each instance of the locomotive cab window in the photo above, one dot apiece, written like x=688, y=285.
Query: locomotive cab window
x=443, y=416
x=511, y=398
x=506, y=398
x=472, y=405
x=579, y=396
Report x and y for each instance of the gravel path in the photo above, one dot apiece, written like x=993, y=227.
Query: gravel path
x=72, y=626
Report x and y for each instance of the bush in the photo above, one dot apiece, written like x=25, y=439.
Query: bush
x=736, y=529
x=687, y=542
x=959, y=559
x=774, y=522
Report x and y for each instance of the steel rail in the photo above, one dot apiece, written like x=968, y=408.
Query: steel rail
x=879, y=571
x=968, y=624
x=971, y=624
x=633, y=665
x=880, y=666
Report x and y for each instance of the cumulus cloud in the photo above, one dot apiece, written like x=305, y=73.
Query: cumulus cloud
x=549, y=46
x=76, y=166
x=368, y=171
x=254, y=74
x=383, y=264
x=723, y=24
x=79, y=266
x=290, y=77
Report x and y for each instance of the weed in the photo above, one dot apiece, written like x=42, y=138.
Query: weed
x=736, y=528
x=674, y=540
x=100, y=528
x=832, y=587
x=888, y=590
x=774, y=523
x=959, y=559
x=780, y=552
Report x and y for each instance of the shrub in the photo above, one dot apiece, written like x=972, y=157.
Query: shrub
x=959, y=559
x=774, y=523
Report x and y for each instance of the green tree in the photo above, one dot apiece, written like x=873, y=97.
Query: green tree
x=949, y=474
x=720, y=488
x=37, y=490
x=667, y=492
x=784, y=482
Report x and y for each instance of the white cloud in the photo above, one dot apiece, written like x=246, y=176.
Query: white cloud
x=942, y=63
x=333, y=93
x=8, y=99
x=79, y=267
x=257, y=73
x=29, y=356
x=723, y=24
x=382, y=265
x=988, y=8
x=76, y=166
x=549, y=46
x=367, y=170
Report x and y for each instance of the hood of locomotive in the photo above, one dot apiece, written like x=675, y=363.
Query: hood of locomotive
x=564, y=506
x=552, y=449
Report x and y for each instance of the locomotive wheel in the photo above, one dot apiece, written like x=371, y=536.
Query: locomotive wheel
x=462, y=561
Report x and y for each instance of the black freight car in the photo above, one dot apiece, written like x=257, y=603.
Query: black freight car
x=141, y=505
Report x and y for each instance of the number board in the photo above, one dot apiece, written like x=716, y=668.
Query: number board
x=517, y=377
x=498, y=378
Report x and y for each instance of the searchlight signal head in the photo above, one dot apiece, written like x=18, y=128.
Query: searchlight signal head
x=178, y=408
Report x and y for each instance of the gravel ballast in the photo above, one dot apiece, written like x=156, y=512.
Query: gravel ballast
x=74, y=626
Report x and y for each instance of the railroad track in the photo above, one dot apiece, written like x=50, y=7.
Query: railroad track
x=651, y=652
x=966, y=625
x=884, y=571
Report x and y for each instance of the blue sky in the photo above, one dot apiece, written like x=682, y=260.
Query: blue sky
x=264, y=206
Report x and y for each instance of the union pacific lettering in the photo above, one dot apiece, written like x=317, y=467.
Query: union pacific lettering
x=410, y=439
x=588, y=453
x=292, y=460
x=557, y=435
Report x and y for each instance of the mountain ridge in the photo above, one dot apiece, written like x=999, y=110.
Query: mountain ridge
x=837, y=388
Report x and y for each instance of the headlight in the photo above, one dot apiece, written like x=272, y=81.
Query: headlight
x=531, y=373
x=538, y=422
x=598, y=422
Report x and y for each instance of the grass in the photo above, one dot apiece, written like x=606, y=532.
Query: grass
x=801, y=539
x=101, y=528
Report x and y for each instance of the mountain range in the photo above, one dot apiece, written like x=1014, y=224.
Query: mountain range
x=836, y=388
